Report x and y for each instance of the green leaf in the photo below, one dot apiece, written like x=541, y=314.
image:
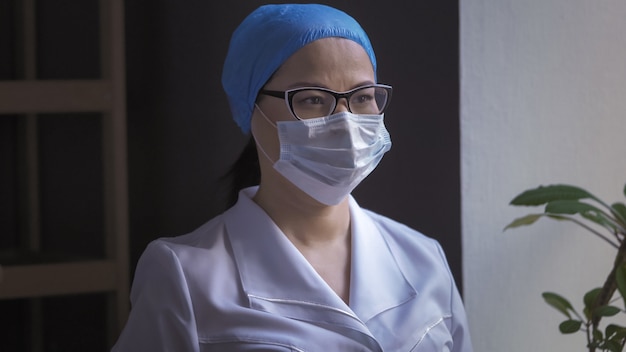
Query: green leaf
x=611, y=346
x=524, y=221
x=620, y=278
x=624, y=190
x=600, y=219
x=588, y=211
x=597, y=335
x=570, y=326
x=559, y=303
x=590, y=297
x=545, y=194
x=606, y=311
x=620, y=209
x=569, y=207
x=614, y=331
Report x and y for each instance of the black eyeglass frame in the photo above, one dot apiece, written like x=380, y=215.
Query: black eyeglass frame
x=288, y=95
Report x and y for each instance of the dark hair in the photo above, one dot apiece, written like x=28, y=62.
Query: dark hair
x=245, y=172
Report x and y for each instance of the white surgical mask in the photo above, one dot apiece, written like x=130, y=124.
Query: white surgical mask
x=327, y=157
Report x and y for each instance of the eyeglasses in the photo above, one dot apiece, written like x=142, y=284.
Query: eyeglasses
x=312, y=102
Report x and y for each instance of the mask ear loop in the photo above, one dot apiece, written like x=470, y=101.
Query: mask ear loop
x=265, y=116
x=257, y=142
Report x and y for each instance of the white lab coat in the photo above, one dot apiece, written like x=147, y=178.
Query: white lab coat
x=238, y=284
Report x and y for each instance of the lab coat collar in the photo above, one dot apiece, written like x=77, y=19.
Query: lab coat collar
x=377, y=283
x=277, y=278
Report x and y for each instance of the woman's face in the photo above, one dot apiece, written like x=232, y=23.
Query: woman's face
x=334, y=63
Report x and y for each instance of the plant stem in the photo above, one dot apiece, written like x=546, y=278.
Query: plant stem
x=609, y=287
x=589, y=340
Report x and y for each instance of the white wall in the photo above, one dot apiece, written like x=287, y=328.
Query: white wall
x=543, y=100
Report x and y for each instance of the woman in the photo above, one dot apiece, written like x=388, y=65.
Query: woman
x=296, y=264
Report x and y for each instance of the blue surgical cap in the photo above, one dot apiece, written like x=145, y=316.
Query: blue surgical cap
x=268, y=37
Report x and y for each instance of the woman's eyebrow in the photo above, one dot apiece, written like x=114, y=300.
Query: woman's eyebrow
x=364, y=83
x=319, y=85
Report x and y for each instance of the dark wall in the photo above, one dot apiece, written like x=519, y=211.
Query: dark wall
x=182, y=139
x=69, y=172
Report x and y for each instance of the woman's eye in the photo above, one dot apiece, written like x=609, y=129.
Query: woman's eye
x=363, y=98
x=310, y=99
x=314, y=100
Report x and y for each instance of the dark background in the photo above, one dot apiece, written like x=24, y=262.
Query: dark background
x=181, y=139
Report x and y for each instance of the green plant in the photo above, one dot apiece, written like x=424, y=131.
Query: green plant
x=607, y=222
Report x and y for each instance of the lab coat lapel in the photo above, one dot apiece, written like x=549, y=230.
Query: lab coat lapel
x=277, y=278
x=377, y=283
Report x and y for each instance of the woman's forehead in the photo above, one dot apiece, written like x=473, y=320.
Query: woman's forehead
x=326, y=60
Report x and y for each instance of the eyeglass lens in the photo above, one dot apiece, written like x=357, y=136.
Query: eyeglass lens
x=312, y=103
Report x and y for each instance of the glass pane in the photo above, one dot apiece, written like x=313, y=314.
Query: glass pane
x=68, y=39
x=71, y=184
x=8, y=45
x=8, y=183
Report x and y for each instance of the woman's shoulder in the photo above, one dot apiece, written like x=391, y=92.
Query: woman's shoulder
x=195, y=255
x=209, y=237
x=202, y=237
